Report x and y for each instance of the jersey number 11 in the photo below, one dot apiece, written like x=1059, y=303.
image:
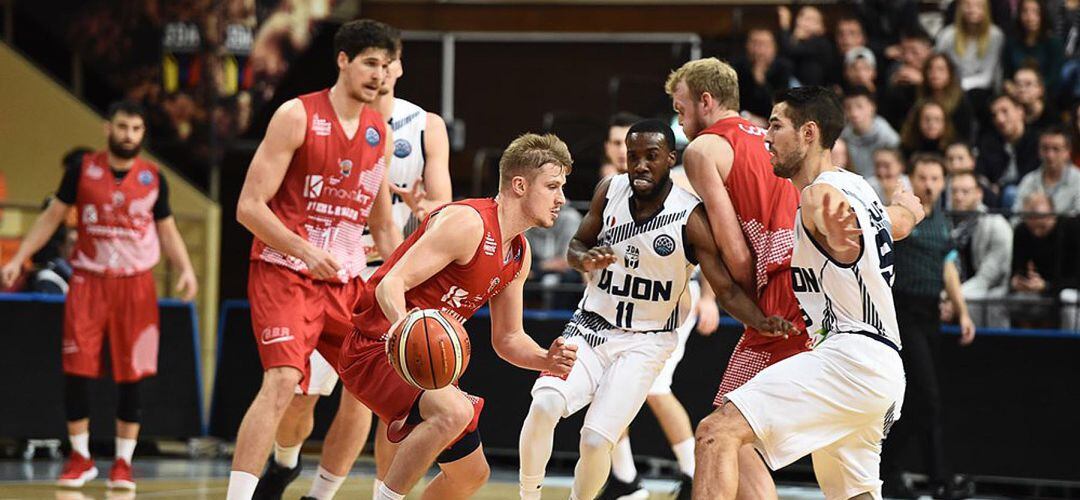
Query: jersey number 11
x=624, y=311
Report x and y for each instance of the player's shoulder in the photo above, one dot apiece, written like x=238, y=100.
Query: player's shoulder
x=463, y=217
x=406, y=112
x=291, y=112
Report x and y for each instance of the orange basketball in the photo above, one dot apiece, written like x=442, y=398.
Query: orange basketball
x=429, y=349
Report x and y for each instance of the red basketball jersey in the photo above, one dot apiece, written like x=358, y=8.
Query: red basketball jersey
x=458, y=290
x=117, y=233
x=329, y=188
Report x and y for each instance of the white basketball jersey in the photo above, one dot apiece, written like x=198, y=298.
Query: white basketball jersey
x=645, y=289
x=857, y=298
x=407, y=121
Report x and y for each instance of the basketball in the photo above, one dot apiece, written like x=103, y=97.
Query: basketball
x=429, y=349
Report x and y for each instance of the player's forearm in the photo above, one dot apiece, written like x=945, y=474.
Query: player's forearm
x=390, y=293
x=739, y=306
x=262, y=223
x=175, y=251
x=903, y=221
x=40, y=232
x=953, y=289
x=520, y=350
x=707, y=292
x=387, y=238
x=575, y=255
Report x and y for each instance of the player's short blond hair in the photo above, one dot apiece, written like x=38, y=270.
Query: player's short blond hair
x=710, y=75
x=528, y=153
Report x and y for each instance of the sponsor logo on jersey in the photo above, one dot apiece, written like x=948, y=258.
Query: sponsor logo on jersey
x=635, y=287
x=752, y=129
x=494, y=283
x=372, y=136
x=346, y=167
x=313, y=185
x=94, y=172
x=320, y=126
x=664, y=245
x=402, y=148
x=631, y=259
x=455, y=295
x=489, y=245
x=275, y=334
x=89, y=214
x=145, y=177
x=117, y=198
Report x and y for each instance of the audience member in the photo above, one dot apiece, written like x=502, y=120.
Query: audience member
x=889, y=174
x=959, y=159
x=615, y=144
x=1009, y=150
x=805, y=45
x=941, y=83
x=1056, y=176
x=860, y=70
x=761, y=74
x=1034, y=44
x=1027, y=87
x=984, y=243
x=548, y=247
x=926, y=130
x=1044, y=263
x=885, y=20
x=905, y=76
x=865, y=131
x=975, y=44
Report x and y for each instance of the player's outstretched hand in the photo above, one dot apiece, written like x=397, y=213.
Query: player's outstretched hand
x=775, y=326
x=321, y=264
x=708, y=317
x=561, y=357
x=187, y=286
x=411, y=197
x=9, y=273
x=908, y=200
x=598, y=258
x=841, y=226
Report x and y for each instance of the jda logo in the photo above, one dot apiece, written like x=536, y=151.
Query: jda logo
x=631, y=259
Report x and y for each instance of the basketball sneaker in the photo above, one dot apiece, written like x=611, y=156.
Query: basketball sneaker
x=273, y=482
x=120, y=476
x=618, y=490
x=77, y=471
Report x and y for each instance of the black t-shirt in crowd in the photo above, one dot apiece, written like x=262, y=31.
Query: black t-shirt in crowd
x=69, y=187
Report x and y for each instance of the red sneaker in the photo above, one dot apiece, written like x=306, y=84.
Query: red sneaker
x=77, y=471
x=120, y=476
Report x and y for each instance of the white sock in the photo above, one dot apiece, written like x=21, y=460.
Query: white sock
x=622, y=461
x=241, y=485
x=325, y=485
x=385, y=493
x=287, y=456
x=684, y=454
x=375, y=489
x=594, y=465
x=534, y=444
x=80, y=443
x=125, y=448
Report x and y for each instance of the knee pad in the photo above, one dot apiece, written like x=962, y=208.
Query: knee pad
x=592, y=441
x=548, y=404
x=461, y=448
x=128, y=407
x=76, y=400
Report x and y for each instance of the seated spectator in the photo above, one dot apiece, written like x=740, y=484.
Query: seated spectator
x=926, y=130
x=984, y=243
x=761, y=74
x=548, y=246
x=1034, y=44
x=889, y=174
x=615, y=144
x=1044, y=262
x=860, y=70
x=1056, y=176
x=805, y=45
x=885, y=21
x=975, y=44
x=1008, y=150
x=1028, y=89
x=904, y=77
x=848, y=33
x=865, y=131
x=941, y=83
x=960, y=159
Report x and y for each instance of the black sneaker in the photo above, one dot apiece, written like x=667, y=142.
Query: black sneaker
x=618, y=490
x=273, y=482
x=686, y=486
x=898, y=487
x=959, y=488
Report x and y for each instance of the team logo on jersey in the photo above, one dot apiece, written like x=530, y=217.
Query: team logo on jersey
x=313, y=185
x=94, y=172
x=454, y=296
x=372, y=136
x=320, y=126
x=273, y=335
x=89, y=214
x=494, y=283
x=145, y=177
x=752, y=129
x=117, y=198
x=664, y=245
x=631, y=259
x=346, y=167
x=402, y=148
x=489, y=245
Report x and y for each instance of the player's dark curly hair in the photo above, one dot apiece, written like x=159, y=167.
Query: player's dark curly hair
x=357, y=36
x=814, y=104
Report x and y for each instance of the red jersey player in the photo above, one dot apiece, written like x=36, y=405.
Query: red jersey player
x=729, y=167
x=124, y=224
x=462, y=255
x=315, y=179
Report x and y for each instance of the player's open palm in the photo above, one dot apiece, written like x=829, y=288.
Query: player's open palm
x=598, y=258
x=9, y=273
x=841, y=227
x=187, y=286
x=561, y=357
x=412, y=197
x=321, y=264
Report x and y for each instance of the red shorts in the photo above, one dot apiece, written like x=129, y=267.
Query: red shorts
x=756, y=351
x=293, y=315
x=126, y=309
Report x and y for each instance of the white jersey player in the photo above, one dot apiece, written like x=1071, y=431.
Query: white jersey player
x=639, y=243
x=837, y=401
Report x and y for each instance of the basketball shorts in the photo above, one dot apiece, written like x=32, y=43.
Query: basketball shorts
x=293, y=315
x=835, y=403
x=125, y=310
x=662, y=384
x=755, y=351
x=614, y=371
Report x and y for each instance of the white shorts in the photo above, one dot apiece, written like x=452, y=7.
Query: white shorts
x=662, y=384
x=323, y=378
x=835, y=403
x=614, y=376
